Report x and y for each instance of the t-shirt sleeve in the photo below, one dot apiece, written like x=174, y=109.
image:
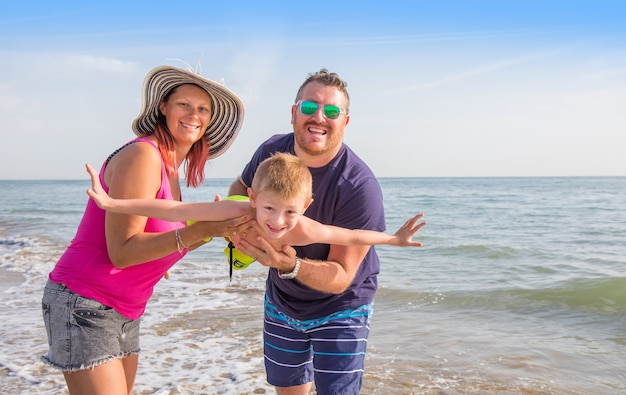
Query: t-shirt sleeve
x=362, y=208
x=248, y=171
x=272, y=145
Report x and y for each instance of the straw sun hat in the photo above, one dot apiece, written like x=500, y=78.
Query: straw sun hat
x=226, y=112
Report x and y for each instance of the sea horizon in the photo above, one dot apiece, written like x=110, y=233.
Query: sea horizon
x=382, y=177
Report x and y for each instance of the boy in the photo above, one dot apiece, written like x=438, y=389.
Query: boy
x=281, y=192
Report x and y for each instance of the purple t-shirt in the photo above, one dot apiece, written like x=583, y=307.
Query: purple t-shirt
x=346, y=193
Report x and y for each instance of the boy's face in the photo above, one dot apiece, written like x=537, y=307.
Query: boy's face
x=275, y=216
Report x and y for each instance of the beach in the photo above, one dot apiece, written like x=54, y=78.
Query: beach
x=9, y=279
x=520, y=288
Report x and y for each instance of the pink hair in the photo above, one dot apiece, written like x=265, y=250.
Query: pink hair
x=195, y=159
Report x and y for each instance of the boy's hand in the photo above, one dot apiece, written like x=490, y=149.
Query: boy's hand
x=406, y=231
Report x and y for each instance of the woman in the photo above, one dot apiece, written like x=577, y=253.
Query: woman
x=99, y=288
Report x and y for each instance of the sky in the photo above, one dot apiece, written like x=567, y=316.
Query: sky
x=438, y=88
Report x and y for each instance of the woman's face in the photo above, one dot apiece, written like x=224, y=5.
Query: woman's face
x=187, y=112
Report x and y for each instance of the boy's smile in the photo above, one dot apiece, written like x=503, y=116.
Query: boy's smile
x=275, y=215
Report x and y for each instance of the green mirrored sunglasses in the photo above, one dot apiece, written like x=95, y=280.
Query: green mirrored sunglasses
x=310, y=108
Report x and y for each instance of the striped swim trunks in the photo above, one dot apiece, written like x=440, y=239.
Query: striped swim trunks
x=329, y=350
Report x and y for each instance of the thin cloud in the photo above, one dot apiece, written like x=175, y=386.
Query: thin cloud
x=606, y=74
x=64, y=62
x=52, y=16
x=436, y=37
x=477, y=71
x=8, y=101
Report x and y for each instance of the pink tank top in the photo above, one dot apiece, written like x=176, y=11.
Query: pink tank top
x=86, y=269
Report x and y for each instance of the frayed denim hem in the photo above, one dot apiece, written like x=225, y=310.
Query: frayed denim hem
x=86, y=366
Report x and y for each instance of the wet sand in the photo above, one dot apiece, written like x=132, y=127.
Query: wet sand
x=9, y=279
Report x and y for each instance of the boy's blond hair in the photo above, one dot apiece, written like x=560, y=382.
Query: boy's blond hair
x=285, y=175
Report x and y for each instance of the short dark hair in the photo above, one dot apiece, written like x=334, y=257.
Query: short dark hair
x=327, y=78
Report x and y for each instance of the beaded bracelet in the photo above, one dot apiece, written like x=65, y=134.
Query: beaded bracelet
x=180, y=246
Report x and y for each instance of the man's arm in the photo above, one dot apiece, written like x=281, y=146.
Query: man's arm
x=331, y=276
x=335, y=274
x=238, y=187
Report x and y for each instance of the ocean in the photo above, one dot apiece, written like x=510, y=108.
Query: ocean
x=520, y=288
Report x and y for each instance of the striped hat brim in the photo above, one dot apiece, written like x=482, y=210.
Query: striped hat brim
x=227, y=110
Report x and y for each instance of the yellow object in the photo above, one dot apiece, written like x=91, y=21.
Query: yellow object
x=191, y=222
x=239, y=260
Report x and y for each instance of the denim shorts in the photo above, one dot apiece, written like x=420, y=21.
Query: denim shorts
x=84, y=333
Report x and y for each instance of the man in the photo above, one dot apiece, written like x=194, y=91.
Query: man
x=319, y=298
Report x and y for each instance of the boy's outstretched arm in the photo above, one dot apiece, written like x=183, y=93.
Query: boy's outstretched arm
x=309, y=231
x=168, y=210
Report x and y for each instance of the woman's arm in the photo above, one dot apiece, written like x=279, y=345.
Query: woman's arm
x=134, y=172
x=309, y=231
x=168, y=210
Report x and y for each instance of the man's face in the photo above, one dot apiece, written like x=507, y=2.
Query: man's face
x=315, y=134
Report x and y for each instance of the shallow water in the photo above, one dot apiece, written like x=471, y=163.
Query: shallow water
x=520, y=288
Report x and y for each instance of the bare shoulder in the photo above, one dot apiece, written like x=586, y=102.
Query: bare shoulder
x=135, y=171
x=136, y=153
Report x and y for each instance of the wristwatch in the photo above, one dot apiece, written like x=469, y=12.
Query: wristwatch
x=291, y=275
